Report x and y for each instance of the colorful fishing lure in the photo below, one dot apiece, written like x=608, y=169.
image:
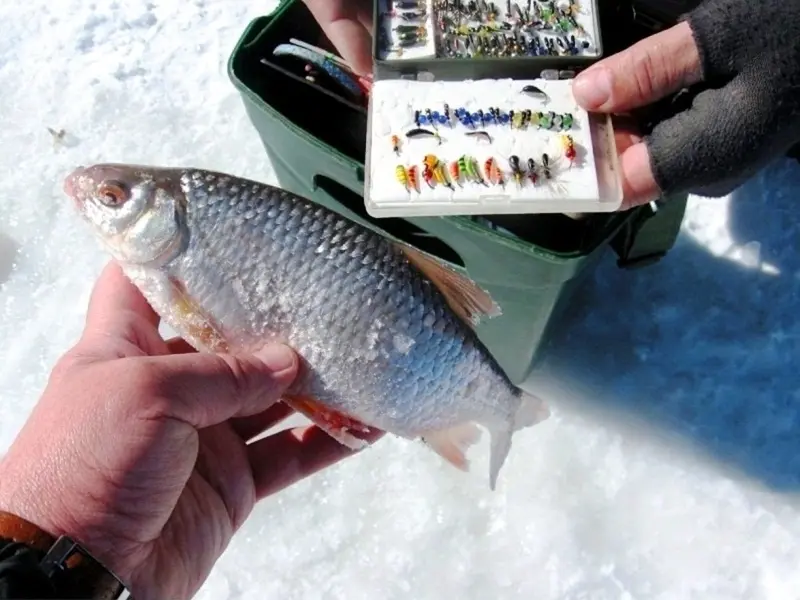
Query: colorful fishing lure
x=350, y=83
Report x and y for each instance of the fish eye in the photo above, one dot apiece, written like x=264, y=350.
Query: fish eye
x=112, y=193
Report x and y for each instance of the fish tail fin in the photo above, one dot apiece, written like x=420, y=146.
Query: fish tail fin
x=531, y=411
x=452, y=444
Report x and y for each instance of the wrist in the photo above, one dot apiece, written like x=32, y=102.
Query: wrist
x=16, y=529
x=71, y=566
x=71, y=569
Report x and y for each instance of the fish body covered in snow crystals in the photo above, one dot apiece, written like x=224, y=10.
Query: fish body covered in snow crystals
x=385, y=331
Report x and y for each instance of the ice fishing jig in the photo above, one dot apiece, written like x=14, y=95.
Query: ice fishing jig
x=342, y=77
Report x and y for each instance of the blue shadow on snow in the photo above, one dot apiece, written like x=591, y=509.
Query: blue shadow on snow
x=699, y=344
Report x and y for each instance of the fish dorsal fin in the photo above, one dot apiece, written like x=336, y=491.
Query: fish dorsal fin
x=464, y=296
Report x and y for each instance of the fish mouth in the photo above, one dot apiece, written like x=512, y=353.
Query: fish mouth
x=70, y=184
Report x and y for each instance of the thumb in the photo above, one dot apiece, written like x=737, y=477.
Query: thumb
x=205, y=389
x=641, y=74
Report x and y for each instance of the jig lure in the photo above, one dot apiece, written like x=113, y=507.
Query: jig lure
x=331, y=68
x=401, y=175
x=422, y=133
x=481, y=135
x=430, y=161
x=493, y=172
x=427, y=175
x=413, y=180
x=441, y=176
x=532, y=175
x=532, y=90
x=546, y=166
x=455, y=173
x=516, y=170
x=569, y=149
x=470, y=166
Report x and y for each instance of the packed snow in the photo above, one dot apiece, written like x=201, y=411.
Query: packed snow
x=672, y=461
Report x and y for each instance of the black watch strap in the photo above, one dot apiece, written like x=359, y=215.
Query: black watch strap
x=69, y=562
x=74, y=572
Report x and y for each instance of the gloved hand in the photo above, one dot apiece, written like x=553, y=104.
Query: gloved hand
x=743, y=60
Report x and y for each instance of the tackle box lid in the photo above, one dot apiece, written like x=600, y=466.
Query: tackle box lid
x=471, y=111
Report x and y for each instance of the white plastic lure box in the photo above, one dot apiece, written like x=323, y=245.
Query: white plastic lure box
x=489, y=142
x=486, y=147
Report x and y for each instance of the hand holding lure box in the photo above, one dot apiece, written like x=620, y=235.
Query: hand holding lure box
x=472, y=113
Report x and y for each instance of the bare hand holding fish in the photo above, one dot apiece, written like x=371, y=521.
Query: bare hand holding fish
x=138, y=447
x=385, y=332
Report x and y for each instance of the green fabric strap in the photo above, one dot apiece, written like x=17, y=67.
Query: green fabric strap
x=646, y=239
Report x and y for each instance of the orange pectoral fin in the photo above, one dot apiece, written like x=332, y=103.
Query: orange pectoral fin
x=198, y=325
x=335, y=424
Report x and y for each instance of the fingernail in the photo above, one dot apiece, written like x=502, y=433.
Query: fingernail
x=592, y=88
x=277, y=357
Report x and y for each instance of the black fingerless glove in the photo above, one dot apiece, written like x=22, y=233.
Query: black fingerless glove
x=747, y=111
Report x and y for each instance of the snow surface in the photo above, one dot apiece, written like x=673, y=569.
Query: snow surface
x=669, y=469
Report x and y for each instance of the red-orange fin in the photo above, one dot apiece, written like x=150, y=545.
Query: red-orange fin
x=469, y=301
x=200, y=328
x=335, y=424
x=452, y=444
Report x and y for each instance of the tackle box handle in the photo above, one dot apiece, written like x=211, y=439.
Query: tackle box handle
x=646, y=238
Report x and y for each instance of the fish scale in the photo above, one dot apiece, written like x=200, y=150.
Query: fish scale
x=297, y=239
x=335, y=244
x=385, y=332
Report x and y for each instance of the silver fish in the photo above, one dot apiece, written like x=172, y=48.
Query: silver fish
x=385, y=331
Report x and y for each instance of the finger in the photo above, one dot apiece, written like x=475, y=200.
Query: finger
x=364, y=12
x=205, y=389
x=245, y=427
x=638, y=183
x=285, y=458
x=722, y=140
x=626, y=133
x=249, y=427
x=115, y=296
x=119, y=320
x=340, y=22
x=222, y=462
x=641, y=74
x=178, y=345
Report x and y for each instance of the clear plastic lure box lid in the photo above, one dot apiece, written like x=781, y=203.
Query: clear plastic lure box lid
x=459, y=126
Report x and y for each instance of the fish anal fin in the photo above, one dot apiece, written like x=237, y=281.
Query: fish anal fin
x=198, y=325
x=452, y=444
x=469, y=301
x=335, y=424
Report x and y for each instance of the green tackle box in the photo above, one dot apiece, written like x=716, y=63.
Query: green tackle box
x=530, y=265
